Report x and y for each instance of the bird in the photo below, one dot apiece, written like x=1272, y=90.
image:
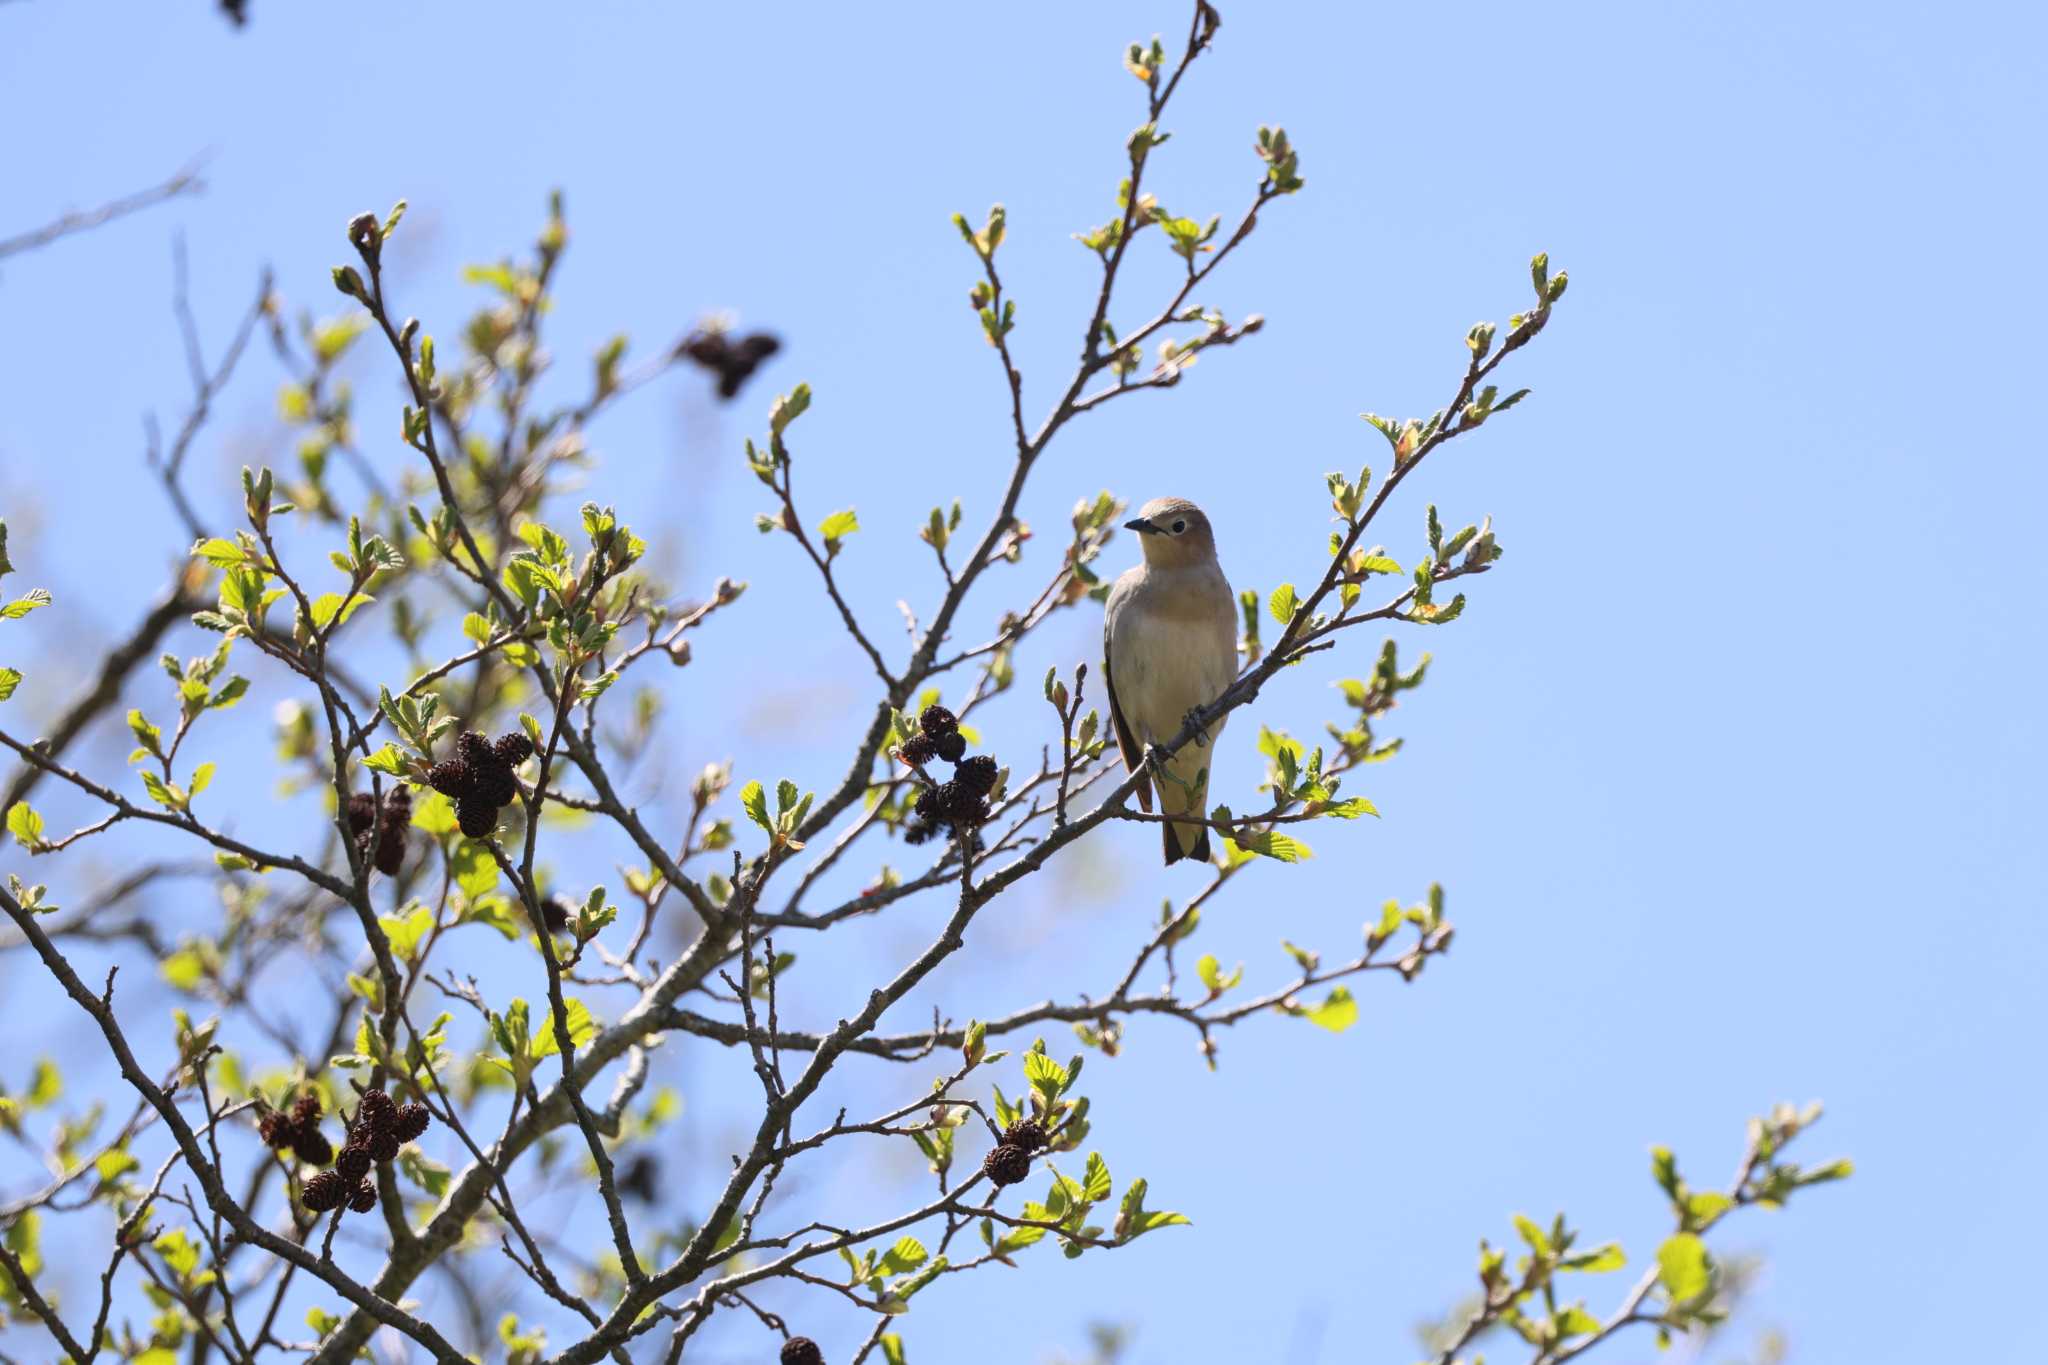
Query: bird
x=1169, y=644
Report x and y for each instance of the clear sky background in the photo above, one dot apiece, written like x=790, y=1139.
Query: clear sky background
x=1731, y=770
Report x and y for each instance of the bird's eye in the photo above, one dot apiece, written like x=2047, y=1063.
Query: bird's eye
x=1179, y=526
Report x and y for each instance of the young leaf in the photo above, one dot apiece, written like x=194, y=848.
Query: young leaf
x=754, y=799
x=1337, y=1013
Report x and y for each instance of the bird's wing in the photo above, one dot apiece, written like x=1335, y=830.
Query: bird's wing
x=1133, y=752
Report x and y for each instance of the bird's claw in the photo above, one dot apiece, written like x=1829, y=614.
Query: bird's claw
x=1193, y=719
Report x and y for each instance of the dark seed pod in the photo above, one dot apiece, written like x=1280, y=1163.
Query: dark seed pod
x=977, y=774
x=364, y=1199
x=362, y=813
x=384, y=1146
x=475, y=816
x=473, y=749
x=354, y=1162
x=918, y=750
x=323, y=1192
x=276, y=1130
x=312, y=1145
x=919, y=832
x=392, y=824
x=374, y=1114
x=554, y=914
x=411, y=1122
x=802, y=1351
x=961, y=806
x=513, y=749
x=496, y=785
x=1006, y=1164
x=936, y=721
x=1026, y=1133
x=306, y=1111
x=951, y=745
x=931, y=807
x=449, y=777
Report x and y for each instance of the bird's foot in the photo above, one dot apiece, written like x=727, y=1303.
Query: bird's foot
x=1194, y=718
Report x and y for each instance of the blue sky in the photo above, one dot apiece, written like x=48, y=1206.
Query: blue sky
x=1730, y=770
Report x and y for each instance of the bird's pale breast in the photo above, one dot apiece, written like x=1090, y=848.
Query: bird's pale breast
x=1172, y=647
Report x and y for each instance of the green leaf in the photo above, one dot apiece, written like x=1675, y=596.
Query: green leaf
x=907, y=1254
x=202, y=778
x=333, y=606
x=425, y=1172
x=754, y=799
x=1282, y=603
x=179, y=1251
x=788, y=408
x=1684, y=1268
x=184, y=969
x=582, y=1028
x=1704, y=1207
x=1532, y=1234
x=407, y=932
x=1095, y=1182
x=1133, y=1218
x=25, y=825
x=387, y=760
x=114, y=1163
x=230, y=692
x=838, y=526
x=1575, y=1321
x=476, y=871
x=160, y=792
x=219, y=553
x=22, y=606
x=1336, y=1013
x=1598, y=1261
x=435, y=814
x=10, y=678
x=1046, y=1075
x=1350, y=808
x=45, y=1084
x=1274, y=844
x=1211, y=972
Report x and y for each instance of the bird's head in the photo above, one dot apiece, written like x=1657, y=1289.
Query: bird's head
x=1174, y=533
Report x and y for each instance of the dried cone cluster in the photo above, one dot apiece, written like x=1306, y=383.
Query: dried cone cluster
x=380, y=833
x=961, y=804
x=733, y=359
x=298, y=1131
x=1010, y=1161
x=802, y=1351
x=479, y=779
x=381, y=1127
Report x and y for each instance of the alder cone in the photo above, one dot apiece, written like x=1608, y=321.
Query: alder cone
x=1007, y=1164
x=323, y=1192
x=802, y=1351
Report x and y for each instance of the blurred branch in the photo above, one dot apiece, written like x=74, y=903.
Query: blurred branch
x=186, y=181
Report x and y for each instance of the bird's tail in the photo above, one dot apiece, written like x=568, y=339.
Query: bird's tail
x=1184, y=791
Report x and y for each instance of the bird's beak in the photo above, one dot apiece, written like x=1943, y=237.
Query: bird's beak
x=1141, y=526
